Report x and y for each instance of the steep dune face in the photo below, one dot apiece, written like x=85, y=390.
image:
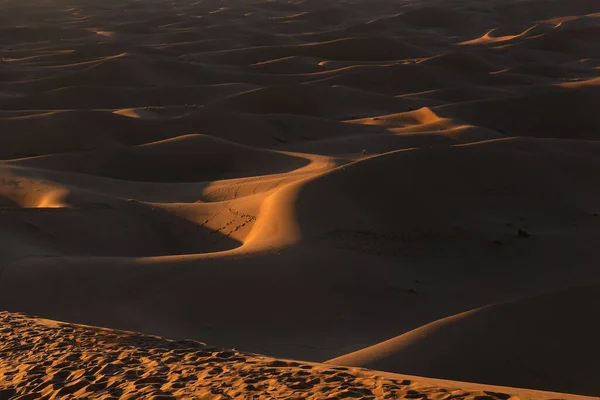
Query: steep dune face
x=309, y=179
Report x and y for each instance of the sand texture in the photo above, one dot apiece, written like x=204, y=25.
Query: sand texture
x=44, y=359
x=408, y=186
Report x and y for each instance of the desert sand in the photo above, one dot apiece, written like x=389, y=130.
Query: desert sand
x=395, y=189
x=49, y=359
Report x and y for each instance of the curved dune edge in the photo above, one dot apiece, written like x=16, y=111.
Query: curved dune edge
x=515, y=334
x=49, y=358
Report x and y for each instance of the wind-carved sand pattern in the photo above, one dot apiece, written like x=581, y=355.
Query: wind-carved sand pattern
x=399, y=185
x=44, y=359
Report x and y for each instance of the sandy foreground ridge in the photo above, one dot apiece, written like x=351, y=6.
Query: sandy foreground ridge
x=48, y=359
x=368, y=185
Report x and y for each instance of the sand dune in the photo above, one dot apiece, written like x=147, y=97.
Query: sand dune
x=408, y=186
x=559, y=112
x=444, y=196
x=192, y=158
x=336, y=102
x=60, y=360
x=514, y=334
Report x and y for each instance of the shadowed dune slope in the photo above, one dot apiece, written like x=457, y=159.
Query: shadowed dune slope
x=541, y=338
x=454, y=192
x=566, y=112
x=184, y=158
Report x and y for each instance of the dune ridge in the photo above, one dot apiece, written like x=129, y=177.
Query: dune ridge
x=54, y=359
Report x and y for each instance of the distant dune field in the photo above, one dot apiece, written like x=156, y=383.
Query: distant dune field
x=408, y=186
